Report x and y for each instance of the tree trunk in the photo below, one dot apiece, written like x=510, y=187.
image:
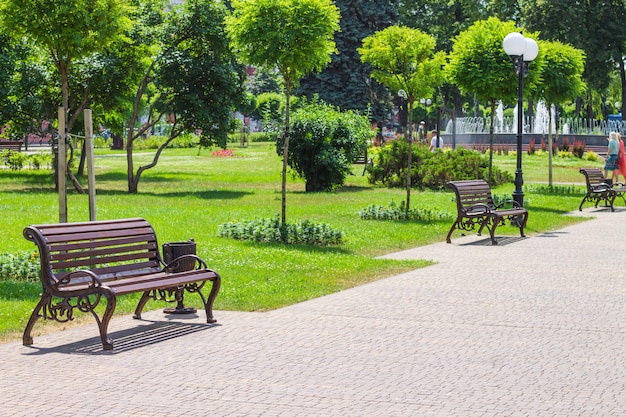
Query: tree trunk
x=549, y=105
x=493, y=110
x=285, y=151
x=410, y=156
x=622, y=73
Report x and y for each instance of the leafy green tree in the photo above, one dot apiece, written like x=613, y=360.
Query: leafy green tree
x=191, y=75
x=478, y=65
x=66, y=29
x=265, y=81
x=562, y=80
x=324, y=143
x=23, y=83
x=594, y=26
x=442, y=20
x=404, y=60
x=346, y=81
x=295, y=36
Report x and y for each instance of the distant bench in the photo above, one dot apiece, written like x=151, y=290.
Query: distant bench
x=13, y=145
x=599, y=189
x=81, y=263
x=475, y=207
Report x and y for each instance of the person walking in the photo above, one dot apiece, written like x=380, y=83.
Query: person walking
x=621, y=161
x=612, y=158
x=421, y=132
x=435, y=142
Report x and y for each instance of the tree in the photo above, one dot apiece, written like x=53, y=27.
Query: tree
x=346, y=81
x=594, y=26
x=23, y=83
x=404, y=60
x=191, y=75
x=478, y=65
x=295, y=36
x=67, y=30
x=562, y=80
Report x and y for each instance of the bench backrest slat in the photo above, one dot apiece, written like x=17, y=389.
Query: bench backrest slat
x=593, y=176
x=471, y=192
x=107, y=248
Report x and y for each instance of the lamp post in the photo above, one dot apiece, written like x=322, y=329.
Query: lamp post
x=522, y=50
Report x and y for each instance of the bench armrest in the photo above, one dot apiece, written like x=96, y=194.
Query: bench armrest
x=174, y=263
x=85, y=276
x=598, y=188
x=514, y=204
x=478, y=208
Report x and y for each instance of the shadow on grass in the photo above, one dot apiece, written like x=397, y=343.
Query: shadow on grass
x=339, y=190
x=20, y=290
x=292, y=247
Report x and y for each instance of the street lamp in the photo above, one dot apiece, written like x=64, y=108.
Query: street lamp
x=522, y=50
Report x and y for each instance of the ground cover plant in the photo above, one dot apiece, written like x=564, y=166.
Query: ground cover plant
x=190, y=193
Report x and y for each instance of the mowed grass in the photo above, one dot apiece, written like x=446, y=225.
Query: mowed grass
x=189, y=193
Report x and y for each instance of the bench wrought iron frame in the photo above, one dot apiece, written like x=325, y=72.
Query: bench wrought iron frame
x=86, y=262
x=475, y=207
x=600, y=190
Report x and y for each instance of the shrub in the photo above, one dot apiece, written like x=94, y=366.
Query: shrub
x=14, y=160
x=399, y=212
x=553, y=189
x=578, y=149
x=186, y=140
x=531, y=147
x=564, y=145
x=36, y=161
x=431, y=169
x=271, y=230
x=22, y=266
x=100, y=143
x=591, y=156
x=323, y=144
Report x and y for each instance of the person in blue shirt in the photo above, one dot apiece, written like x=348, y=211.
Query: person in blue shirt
x=612, y=159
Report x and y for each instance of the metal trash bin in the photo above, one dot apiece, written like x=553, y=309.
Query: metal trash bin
x=174, y=250
x=171, y=251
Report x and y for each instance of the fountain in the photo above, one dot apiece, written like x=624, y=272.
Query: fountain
x=475, y=130
x=542, y=119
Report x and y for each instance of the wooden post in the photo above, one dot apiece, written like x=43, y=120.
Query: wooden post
x=62, y=168
x=91, y=173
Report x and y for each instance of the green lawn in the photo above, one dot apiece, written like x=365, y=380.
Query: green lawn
x=188, y=194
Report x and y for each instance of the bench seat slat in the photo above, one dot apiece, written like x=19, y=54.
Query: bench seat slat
x=152, y=281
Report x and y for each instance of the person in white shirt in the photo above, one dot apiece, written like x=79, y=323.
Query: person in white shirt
x=435, y=142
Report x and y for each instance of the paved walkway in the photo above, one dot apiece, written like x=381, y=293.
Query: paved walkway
x=532, y=327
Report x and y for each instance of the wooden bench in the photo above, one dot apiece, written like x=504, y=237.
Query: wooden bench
x=82, y=263
x=475, y=207
x=600, y=189
x=12, y=145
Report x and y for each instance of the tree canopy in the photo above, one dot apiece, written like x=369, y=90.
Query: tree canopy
x=404, y=60
x=346, y=81
x=295, y=36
